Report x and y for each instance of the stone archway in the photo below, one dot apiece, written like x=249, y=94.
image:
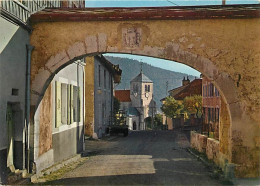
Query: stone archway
x=228, y=58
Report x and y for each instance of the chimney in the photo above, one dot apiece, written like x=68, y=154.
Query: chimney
x=185, y=81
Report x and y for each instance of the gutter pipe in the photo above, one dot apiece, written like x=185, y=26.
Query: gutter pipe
x=29, y=49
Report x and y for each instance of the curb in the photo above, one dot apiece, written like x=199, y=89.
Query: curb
x=198, y=157
x=35, y=177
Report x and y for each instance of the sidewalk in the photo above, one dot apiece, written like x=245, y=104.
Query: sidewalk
x=246, y=181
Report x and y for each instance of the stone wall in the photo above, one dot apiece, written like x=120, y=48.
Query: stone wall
x=225, y=50
x=198, y=141
x=212, y=150
x=45, y=133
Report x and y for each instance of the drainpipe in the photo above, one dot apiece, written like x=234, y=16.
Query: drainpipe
x=29, y=49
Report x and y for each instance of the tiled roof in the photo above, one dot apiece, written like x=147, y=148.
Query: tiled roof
x=147, y=13
x=141, y=78
x=193, y=88
x=114, y=69
x=123, y=95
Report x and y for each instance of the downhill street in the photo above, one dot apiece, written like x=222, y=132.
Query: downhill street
x=144, y=157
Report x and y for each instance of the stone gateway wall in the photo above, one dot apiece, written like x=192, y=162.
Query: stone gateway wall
x=226, y=51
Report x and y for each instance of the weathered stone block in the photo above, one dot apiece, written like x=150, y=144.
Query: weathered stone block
x=92, y=45
x=212, y=150
x=102, y=42
x=78, y=49
x=202, y=143
x=40, y=80
x=56, y=61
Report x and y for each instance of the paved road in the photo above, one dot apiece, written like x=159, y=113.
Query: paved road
x=144, y=157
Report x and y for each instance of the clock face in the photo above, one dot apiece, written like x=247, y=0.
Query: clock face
x=146, y=94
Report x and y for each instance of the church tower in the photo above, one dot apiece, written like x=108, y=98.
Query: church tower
x=141, y=94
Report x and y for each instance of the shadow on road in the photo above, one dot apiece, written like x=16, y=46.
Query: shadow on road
x=144, y=157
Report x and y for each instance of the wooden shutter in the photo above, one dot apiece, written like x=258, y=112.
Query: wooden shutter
x=68, y=105
x=71, y=104
x=58, y=103
x=80, y=106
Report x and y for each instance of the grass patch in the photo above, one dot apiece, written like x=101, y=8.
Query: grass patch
x=214, y=170
x=60, y=172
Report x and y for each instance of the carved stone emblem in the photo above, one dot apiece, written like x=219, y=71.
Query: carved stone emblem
x=131, y=37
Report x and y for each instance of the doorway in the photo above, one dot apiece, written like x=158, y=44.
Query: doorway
x=14, y=122
x=134, y=125
x=10, y=134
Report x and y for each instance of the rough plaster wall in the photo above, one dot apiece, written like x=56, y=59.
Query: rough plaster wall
x=45, y=137
x=231, y=44
x=89, y=96
x=225, y=50
x=224, y=127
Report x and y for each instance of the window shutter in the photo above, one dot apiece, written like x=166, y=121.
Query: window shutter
x=58, y=103
x=68, y=105
x=80, y=105
x=71, y=104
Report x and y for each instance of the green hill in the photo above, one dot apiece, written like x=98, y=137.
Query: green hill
x=131, y=68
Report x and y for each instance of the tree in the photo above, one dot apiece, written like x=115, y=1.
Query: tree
x=116, y=105
x=171, y=107
x=118, y=116
x=158, y=121
x=193, y=105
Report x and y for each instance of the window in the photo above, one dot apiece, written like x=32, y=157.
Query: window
x=217, y=114
x=64, y=103
x=148, y=88
x=67, y=104
x=105, y=80
x=99, y=76
x=209, y=115
x=206, y=91
x=76, y=104
x=204, y=114
x=109, y=83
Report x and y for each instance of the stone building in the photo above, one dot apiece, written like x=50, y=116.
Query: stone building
x=100, y=83
x=211, y=106
x=142, y=104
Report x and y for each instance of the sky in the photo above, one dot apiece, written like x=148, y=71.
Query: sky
x=165, y=64
x=150, y=3
x=161, y=63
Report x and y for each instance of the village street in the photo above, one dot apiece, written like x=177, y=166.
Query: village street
x=144, y=157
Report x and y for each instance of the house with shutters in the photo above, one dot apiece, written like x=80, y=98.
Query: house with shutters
x=59, y=131
x=101, y=77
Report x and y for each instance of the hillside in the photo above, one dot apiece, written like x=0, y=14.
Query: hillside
x=131, y=68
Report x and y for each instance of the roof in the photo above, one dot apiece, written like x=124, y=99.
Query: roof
x=177, y=90
x=132, y=111
x=192, y=89
x=123, y=95
x=114, y=69
x=141, y=78
x=148, y=13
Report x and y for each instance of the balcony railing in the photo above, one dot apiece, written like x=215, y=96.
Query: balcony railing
x=20, y=11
